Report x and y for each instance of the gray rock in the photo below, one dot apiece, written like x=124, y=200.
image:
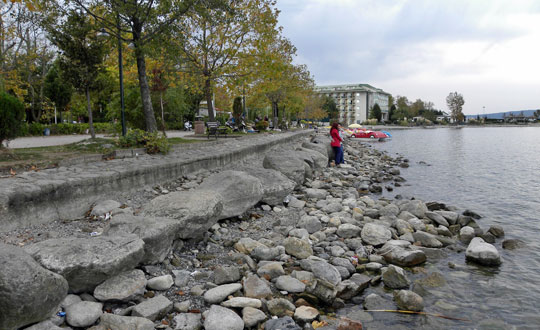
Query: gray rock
x=512, y=244
x=348, y=289
x=196, y=210
x=221, y=318
x=265, y=253
x=157, y=233
x=316, y=193
x=296, y=203
x=325, y=271
x=188, y=321
x=28, y=292
x=348, y=230
x=311, y=224
x=288, y=164
x=337, y=251
x=182, y=307
x=223, y=275
x=87, y=262
x=241, y=302
x=104, y=207
x=160, y=283
x=245, y=245
x=271, y=269
x=466, y=234
x=153, y=308
x=298, y=248
x=275, y=185
x=415, y=207
x=306, y=314
x=450, y=216
x=239, y=191
x=312, y=157
x=343, y=262
x=252, y=316
x=409, y=301
x=299, y=233
x=496, y=231
x=374, y=302
x=70, y=299
x=404, y=258
x=282, y=323
x=389, y=210
x=375, y=234
x=437, y=218
x=122, y=287
x=321, y=148
x=181, y=277
x=290, y=284
x=427, y=240
x=254, y=287
x=333, y=207
x=45, y=325
x=117, y=322
x=403, y=227
x=394, y=277
x=482, y=253
x=83, y=314
x=218, y=294
x=280, y=307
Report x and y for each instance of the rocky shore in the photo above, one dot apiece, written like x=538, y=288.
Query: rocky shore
x=284, y=243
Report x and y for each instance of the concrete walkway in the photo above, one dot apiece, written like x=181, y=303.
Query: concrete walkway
x=56, y=140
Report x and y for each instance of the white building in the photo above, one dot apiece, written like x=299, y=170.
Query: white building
x=354, y=101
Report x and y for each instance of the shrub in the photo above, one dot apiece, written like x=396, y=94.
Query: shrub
x=261, y=125
x=152, y=142
x=12, y=115
x=36, y=129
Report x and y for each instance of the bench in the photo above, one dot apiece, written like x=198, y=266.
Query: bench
x=215, y=130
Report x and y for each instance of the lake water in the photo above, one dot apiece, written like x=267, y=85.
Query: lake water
x=496, y=173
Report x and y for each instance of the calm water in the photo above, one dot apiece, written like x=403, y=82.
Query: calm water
x=496, y=173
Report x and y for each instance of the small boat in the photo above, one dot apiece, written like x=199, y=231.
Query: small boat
x=369, y=134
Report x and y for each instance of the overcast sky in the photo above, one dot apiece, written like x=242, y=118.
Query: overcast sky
x=487, y=50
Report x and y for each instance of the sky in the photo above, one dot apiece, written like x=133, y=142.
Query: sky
x=486, y=50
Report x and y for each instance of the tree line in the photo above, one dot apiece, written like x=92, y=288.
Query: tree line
x=60, y=59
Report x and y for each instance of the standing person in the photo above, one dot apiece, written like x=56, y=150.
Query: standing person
x=336, y=143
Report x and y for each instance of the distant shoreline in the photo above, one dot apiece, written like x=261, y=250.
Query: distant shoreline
x=396, y=127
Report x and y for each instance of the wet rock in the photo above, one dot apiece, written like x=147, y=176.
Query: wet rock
x=283, y=323
x=450, y=216
x=472, y=214
x=404, y=258
x=415, y=207
x=87, y=262
x=290, y=284
x=374, y=302
x=241, y=302
x=301, y=249
x=123, y=287
x=305, y=314
x=512, y=244
x=153, y=308
x=28, y=292
x=188, y=321
x=466, y=234
x=375, y=234
x=409, y=301
x=218, y=294
x=223, y=275
x=280, y=307
x=433, y=280
x=252, y=316
x=437, y=218
x=496, y=231
x=395, y=278
x=111, y=321
x=196, y=211
x=83, y=314
x=483, y=253
x=427, y=240
x=254, y=287
x=221, y=318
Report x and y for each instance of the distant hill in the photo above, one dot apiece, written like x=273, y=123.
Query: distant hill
x=500, y=115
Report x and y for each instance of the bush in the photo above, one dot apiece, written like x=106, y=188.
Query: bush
x=152, y=142
x=12, y=115
x=36, y=129
x=261, y=125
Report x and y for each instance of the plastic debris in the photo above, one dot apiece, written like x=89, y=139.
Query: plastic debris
x=94, y=233
x=61, y=314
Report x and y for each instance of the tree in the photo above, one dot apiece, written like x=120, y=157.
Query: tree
x=537, y=114
x=57, y=89
x=81, y=55
x=237, y=109
x=330, y=107
x=144, y=21
x=376, y=112
x=455, y=103
x=12, y=114
x=391, y=112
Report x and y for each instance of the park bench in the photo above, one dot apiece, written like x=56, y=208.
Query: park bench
x=215, y=130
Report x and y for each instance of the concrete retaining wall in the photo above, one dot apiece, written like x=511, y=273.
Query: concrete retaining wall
x=67, y=192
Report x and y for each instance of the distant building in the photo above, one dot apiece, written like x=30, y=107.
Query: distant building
x=354, y=101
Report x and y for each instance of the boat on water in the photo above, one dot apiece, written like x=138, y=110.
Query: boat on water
x=363, y=133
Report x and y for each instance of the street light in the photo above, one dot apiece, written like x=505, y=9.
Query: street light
x=103, y=34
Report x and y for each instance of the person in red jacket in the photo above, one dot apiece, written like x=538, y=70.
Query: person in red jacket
x=336, y=144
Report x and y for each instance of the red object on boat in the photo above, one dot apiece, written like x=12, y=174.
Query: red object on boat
x=369, y=134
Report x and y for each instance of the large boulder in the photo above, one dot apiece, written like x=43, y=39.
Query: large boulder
x=29, y=293
x=87, y=262
x=395, y=278
x=415, y=207
x=239, y=190
x=288, y=164
x=402, y=257
x=375, y=234
x=409, y=301
x=157, y=233
x=275, y=185
x=324, y=141
x=122, y=287
x=321, y=148
x=221, y=318
x=317, y=159
x=196, y=210
x=483, y=253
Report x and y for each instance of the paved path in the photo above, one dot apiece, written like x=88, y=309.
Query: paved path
x=56, y=140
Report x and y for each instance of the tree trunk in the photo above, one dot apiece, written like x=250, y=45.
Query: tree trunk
x=90, y=118
x=162, y=115
x=148, y=110
x=275, y=113
x=208, y=94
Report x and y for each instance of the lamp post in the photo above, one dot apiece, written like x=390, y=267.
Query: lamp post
x=104, y=33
